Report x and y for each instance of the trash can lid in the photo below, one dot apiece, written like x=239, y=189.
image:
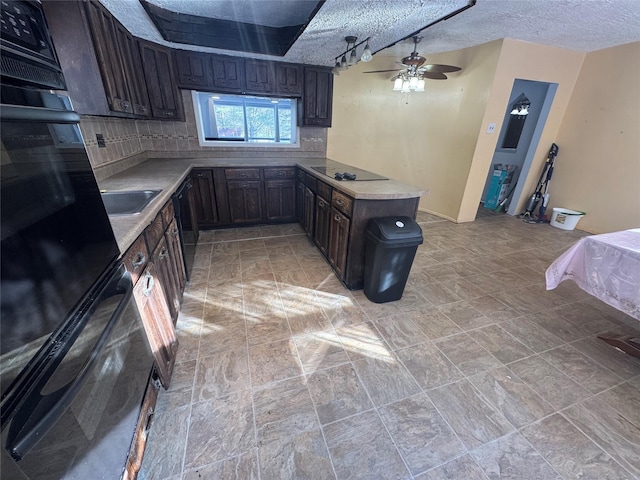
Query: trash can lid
x=395, y=229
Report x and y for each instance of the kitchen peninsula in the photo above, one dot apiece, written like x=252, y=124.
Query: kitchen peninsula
x=333, y=213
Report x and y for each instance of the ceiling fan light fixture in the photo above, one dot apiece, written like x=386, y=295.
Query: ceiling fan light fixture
x=420, y=85
x=397, y=84
x=343, y=63
x=336, y=69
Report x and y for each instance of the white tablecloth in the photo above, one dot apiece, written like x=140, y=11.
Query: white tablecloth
x=607, y=266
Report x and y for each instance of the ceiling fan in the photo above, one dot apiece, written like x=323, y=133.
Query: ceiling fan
x=415, y=66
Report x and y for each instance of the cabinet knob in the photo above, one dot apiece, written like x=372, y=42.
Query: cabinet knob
x=337, y=218
x=321, y=204
x=125, y=104
x=281, y=173
x=163, y=252
x=340, y=202
x=138, y=261
x=149, y=282
x=200, y=175
x=243, y=175
x=175, y=231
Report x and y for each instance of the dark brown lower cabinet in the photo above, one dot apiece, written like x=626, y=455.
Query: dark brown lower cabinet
x=245, y=201
x=204, y=197
x=152, y=304
x=280, y=200
x=170, y=279
x=323, y=224
x=172, y=237
x=145, y=420
x=299, y=201
x=338, y=241
x=309, y=211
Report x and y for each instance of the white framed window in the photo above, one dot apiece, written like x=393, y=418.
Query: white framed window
x=243, y=120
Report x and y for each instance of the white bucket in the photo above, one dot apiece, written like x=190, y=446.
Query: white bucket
x=565, y=219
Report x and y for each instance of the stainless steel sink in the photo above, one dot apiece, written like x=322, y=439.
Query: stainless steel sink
x=128, y=202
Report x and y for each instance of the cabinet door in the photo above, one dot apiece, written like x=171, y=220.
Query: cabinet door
x=158, y=326
x=289, y=79
x=174, y=246
x=204, y=199
x=338, y=241
x=260, y=76
x=103, y=32
x=280, y=200
x=245, y=201
x=309, y=211
x=318, y=96
x=193, y=70
x=166, y=276
x=300, y=201
x=323, y=222
x=143, y=426
x=130, y=56
x=228, y=74
x=164, y=97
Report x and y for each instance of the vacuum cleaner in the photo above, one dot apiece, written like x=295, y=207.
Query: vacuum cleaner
x=542, y=190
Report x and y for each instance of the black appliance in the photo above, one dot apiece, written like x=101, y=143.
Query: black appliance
x=184, y=208
x=341, y=171
x=74, y=360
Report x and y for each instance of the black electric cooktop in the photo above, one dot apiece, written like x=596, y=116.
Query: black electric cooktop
x=340, y=171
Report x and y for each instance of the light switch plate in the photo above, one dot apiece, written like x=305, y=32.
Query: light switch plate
x=491, y=128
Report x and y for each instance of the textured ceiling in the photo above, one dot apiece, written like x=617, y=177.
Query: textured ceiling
x=583, y=25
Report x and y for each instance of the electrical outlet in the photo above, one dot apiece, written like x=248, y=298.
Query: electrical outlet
x=100, y=140
x=491, y=128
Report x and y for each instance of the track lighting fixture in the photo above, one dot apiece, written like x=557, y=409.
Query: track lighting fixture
x=344, y=63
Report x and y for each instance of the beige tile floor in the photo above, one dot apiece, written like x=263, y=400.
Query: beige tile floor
x=476, y=373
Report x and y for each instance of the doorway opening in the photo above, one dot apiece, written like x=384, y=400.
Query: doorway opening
x=522, y=126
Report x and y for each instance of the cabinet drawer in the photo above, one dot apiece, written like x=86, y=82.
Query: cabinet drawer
x=136, y=258
x=279, y=172
x=167, y=214
x=154, y=232
x=342, y=202
x=242, y=173
x=323, y=190
x=311, y=182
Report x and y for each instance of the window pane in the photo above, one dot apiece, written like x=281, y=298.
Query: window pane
x=261, y=123
x=284, y=118
x=229, y=121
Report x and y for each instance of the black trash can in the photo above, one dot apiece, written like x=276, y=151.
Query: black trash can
x=390, y=247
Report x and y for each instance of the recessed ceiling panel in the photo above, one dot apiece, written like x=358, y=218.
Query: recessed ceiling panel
x=264, y=27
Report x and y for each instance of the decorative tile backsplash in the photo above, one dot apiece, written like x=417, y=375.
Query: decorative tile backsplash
x=129, y=142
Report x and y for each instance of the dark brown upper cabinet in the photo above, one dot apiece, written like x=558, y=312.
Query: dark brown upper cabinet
x=193, y=69
x=228, y=74
x=318, y=96
x=289, y=79
x=164, y=97
x=99, y=59
x=260, y=76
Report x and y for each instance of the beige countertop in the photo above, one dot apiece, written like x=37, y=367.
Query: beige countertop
x=167, y=174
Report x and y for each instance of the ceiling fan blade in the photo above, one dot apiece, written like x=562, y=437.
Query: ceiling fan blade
x=383, y=71
x=434, y=75
x=440, y=68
